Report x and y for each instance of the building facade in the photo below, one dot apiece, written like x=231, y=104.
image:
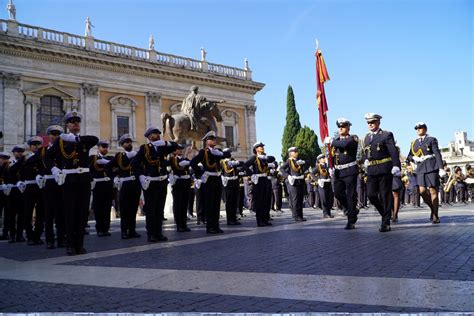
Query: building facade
x=459, y=152
x=117, y=88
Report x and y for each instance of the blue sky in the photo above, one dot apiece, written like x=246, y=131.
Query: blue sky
x=409, y=61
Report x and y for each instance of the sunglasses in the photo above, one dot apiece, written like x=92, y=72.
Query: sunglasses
x=75, y=120
x=372, y=122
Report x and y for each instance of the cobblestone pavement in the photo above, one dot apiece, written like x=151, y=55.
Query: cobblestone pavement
x=289, y=267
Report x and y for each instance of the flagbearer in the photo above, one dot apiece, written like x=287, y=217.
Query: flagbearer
x=424, y=152
x=344, y=150
x=382, y=162
x=68, y=160
x=128, y=187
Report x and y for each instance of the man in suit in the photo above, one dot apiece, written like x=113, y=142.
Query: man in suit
x=68, y=160
x=128, y=187
x=102, y=188
x=150, y=167
x=382, y=161
x=425, y=154
x=345, y=169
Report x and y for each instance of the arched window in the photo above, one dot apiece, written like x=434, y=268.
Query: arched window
x=50, y=112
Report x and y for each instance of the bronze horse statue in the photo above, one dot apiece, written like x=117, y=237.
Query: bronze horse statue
x=177, y=127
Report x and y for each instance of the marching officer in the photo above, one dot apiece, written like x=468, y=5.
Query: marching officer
x=293, y=170
x=52, y=193
x=346, y=169
x=150, y=167
x=322, y=174
x=102, y=188
x=128, y=187
x=68, y=160
x=424, y=152
x=210, y=181
x=257, y=166
x=382, y=162
x=15, y=197
x=4, y=164
x=181, y=185
x=230, y=182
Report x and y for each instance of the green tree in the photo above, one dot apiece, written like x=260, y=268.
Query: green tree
x=292, y=125
x=307, y=144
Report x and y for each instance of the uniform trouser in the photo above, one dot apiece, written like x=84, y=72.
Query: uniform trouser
x=33, y=202
x=325, y=198
x=241, y=201
x=379, y=191
x=268, y=201
x=260, y=196
x=101, y=204
x=362, y=195
x=180, y=191
x=345, y=192
x=200, y=211
x=17, y=213
x=76, y=194
x=5, y=212
x=277, y=198
x=211, y=193
x=317, y=198
x=191, y=196
x=310, y=198
x=129, y=199
x=416, y=199
x=53, y=210
x=232, y=194
x=155, y=198
x=296, y=195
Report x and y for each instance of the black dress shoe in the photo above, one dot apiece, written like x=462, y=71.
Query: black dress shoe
x=60, y=244
x=162, y=238
x=81, y=251
x=20, y=239
x=125, y=236
x=436, y=221
x=50, y=245
x=12, y=240
x=70, y=251
x=268, y=224
x=134, y=235
x=3, y=237
x=212, y=231
x=106, y=234
x=101, y=234
x=385, y=228
x=233, y=223
x=349, y=226
x=152, y=238
x=261, y=224
x=183, y=230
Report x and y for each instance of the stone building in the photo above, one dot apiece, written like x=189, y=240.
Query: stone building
x=118, y=88
x=459, y=152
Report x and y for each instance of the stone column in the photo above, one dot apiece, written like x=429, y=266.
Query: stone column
x=32, y=105
x=13, y=112
x=153, y=110
x=251, y=126
x=90, y=109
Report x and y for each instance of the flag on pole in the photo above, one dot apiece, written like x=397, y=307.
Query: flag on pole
x=321, y=77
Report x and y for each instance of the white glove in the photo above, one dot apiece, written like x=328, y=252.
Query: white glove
x=102, y=161
x=271, y=165
x=184, y=163
x=142, y=179
x=442, y=173
x=241, y=173
x=227, y=150
x=69, y=137
x=396, y=171
x=327, y=140
x=300, y=162
x=366, y=163
x=216, y=152
x=262, y=157
x=55, y=170
x=131, y=154
x=417, y=159
x=331, y=172
x=234, y=163
x=159, y=143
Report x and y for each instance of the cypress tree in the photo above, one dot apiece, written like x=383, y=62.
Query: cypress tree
x=308, y=147
x=292, y=125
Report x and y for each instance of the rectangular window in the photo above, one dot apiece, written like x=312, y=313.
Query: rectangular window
x=229, y=135
x=123, y=126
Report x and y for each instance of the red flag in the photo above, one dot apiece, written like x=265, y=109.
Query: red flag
x=321, y=77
